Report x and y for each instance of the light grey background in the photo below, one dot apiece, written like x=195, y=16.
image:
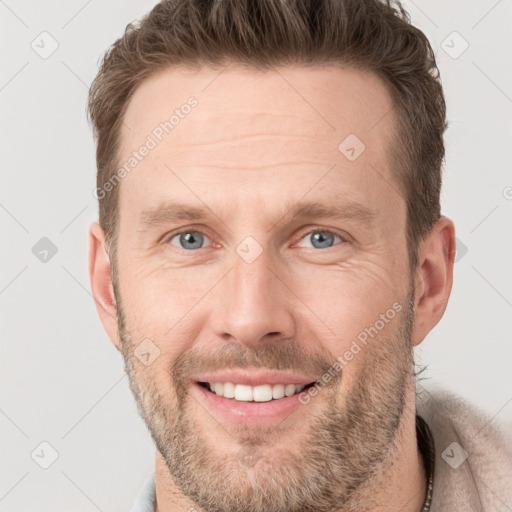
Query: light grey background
x=62, y=381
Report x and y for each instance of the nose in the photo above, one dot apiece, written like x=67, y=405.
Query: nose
x=253, y=304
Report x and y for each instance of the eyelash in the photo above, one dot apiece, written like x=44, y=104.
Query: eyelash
x=169, y=237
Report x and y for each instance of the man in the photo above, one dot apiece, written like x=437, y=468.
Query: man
x=270, y=249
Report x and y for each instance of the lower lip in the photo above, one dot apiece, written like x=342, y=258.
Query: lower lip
x=244, y=412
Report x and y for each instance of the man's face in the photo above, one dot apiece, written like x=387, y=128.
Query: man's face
x=256, y=288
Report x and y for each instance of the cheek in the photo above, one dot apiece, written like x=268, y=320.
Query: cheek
x=159, y=301
x=157, y=322
x=154, y=381
x=349, y=298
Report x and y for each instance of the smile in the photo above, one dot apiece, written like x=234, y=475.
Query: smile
x=246, y=393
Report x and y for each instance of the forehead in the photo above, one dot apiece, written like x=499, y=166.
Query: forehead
x=256, y=129
x=308, y=101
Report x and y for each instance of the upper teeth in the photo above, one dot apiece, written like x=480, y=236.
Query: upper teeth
x=263, y=393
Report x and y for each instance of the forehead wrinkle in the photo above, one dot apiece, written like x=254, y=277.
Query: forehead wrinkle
x=201, y=144
x=229, y=165
x=301, y=125
x=271, y=137
x=257, y=152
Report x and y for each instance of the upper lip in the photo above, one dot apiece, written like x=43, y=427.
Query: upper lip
x=254, y=378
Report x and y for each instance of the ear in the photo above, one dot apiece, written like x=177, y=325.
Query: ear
x=433, y=278
x=101, y=282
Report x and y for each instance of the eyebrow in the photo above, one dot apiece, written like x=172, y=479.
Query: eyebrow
x=176, y=211
x=347, y=210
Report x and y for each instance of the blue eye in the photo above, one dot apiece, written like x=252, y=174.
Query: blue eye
x=189, y=240
x=321, y=238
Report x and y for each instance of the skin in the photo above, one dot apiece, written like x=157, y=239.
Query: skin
x=256, y=144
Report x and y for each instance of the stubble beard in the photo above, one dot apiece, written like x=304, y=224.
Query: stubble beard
x=343, y=450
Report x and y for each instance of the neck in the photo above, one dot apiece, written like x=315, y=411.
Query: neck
x=401, y=486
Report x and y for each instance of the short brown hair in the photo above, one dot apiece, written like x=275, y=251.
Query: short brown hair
x=368, y=34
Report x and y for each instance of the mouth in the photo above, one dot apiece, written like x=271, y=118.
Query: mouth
x=251, y=405
x=247, y=405
x=253, y=396
x=260, y=393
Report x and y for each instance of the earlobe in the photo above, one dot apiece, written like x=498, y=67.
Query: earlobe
x=101, y=282
x=433, y=278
